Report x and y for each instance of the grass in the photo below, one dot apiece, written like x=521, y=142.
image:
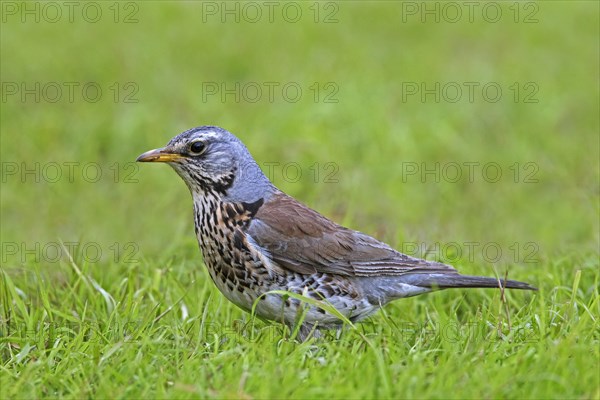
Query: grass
x=168, y=333
x=103, y=292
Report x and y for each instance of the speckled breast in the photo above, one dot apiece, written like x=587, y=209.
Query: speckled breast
x=235, y=270
x=239, y=273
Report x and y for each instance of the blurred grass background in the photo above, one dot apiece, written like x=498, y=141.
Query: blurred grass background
x=368, y=133
x=369, y=51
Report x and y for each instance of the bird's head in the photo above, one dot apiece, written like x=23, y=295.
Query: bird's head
x=212, y=160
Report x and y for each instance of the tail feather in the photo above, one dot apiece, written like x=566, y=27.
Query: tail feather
x=447, y=281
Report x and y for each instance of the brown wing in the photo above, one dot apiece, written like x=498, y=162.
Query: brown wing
x=299, y=239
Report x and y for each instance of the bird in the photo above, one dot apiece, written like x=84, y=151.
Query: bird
x=258, y=243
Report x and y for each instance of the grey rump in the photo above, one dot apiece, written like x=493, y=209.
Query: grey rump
x=255, y=239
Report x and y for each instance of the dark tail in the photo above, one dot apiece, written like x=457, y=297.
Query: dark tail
x=442, y=281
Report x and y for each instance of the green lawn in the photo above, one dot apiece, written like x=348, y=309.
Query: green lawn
x=450, y=136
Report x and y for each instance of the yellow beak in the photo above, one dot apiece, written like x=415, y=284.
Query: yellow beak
x=159, y=155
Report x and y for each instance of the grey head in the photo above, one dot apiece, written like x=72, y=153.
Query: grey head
x=212, y=161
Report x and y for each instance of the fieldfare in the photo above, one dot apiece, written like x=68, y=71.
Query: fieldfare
x=256, y=239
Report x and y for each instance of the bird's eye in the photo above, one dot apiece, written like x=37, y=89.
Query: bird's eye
x=197, y=147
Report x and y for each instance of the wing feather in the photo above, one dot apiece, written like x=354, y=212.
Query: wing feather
x=301, y=240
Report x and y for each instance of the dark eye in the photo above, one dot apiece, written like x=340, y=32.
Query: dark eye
x=197, y=147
